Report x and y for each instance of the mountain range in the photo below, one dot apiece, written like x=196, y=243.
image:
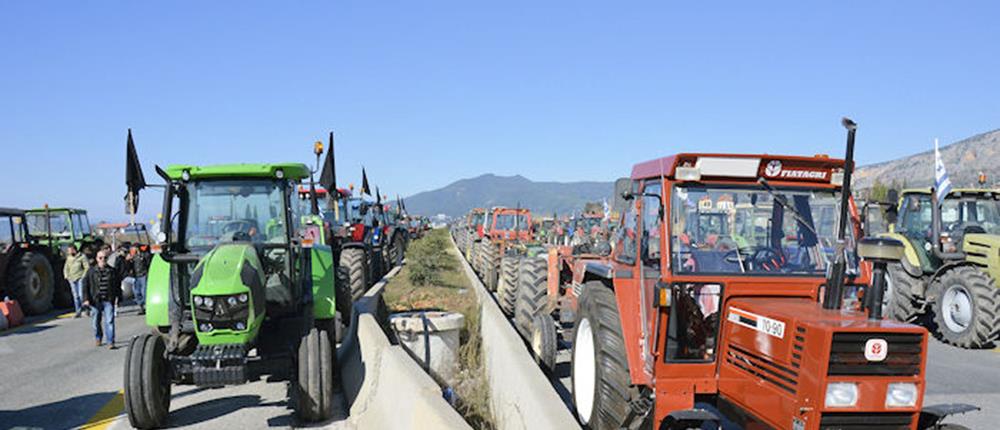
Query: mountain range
x=964, y=161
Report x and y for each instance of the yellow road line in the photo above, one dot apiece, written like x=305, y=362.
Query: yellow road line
x=107, y=414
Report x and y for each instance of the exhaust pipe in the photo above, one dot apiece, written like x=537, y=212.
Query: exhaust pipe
x=834, y=297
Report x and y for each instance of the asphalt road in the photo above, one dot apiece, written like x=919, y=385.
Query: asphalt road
x=53, y=377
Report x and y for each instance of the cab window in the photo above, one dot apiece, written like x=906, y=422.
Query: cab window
x=627, y=235
x=652, y=224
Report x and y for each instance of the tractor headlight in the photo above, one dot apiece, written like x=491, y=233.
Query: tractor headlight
x=209, y=302
x=232, y=301
x=841, y=394
x=901, y=395
x=243, y=298
x=205, y=327
x=198, y=301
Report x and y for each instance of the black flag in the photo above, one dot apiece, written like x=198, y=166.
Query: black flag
x=328, y=177
x=134, y=180
x=364, y=183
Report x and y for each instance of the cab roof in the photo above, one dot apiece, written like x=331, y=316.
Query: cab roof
x=954, y=191
x=818, y=168
x=70, y=210
x=294, y=171
x=11, y=211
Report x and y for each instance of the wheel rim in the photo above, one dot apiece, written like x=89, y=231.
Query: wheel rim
x=34, y=283
x=957, y=307
x=584, y=371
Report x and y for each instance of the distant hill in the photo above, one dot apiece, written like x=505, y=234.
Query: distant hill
x=491, y=190
x=963, y=160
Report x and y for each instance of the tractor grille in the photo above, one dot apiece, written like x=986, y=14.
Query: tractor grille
x=904, y=355
x=777, y=375
x=865, y=421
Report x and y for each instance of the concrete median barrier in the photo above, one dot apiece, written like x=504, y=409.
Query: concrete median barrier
x=383, y=386
x=529, y=403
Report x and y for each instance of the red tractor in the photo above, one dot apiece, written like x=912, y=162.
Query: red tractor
x=750, y=329
x=502, y=228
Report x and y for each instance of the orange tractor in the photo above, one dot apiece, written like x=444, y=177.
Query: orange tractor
x=503, y=230
x=750, y=329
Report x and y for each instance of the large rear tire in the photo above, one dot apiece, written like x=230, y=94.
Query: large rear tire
x=532, y=294
x=901, y=302
x=31, y=282
x=507, y=284
x=966, y=308
x=353, y=260
x=147, y=382
x=600, y=378
x=313, y=396
x=544, y=342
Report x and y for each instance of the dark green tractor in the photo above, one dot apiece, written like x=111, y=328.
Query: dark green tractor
x=26, y=274
x=238, y=290
x=949, y=275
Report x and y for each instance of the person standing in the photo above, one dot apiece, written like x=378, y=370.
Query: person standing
x=103, y=287
x=139, y=270
x=75, y=270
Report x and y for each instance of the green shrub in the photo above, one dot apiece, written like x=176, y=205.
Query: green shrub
x=427, y=258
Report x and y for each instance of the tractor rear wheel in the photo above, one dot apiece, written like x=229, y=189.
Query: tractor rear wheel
x=313, y=394
x=600, y=376
x=544, y=341
x=31, y=283
x=966, y=308
x=507, y=284
x=900, y=300
x=532, y=294
x=398, y=251
x=344, y=303
x=491, y=265
x=353, y=260
x=147, y=382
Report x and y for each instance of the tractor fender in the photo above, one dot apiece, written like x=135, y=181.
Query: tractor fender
x=598, y=271
x=932, y=416
x=324, y=274
x=158, y=293
x=982, y=249
x=941, y=271
x=910, y=261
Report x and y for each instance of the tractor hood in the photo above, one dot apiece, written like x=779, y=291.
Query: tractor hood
x=227, y=295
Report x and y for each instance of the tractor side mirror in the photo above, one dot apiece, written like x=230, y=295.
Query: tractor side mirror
x=628, y=195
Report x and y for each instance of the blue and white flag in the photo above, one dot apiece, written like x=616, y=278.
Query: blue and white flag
x=941, y=182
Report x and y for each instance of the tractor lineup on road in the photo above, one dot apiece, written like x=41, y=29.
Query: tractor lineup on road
x=746, y=290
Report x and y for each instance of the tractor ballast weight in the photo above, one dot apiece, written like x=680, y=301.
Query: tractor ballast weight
x=238, y=290
x=742, y=325
x=948, y=276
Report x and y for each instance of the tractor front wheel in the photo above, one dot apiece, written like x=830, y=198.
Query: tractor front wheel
x=147, y=382
x=31, y=283
x=507, y=284
x=544, y=341
x=313, y=384
x=532, y=292
x=600, y=378
x=900, y=301
x=966, y=308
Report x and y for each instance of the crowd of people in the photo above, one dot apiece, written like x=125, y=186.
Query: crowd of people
x=98, y=287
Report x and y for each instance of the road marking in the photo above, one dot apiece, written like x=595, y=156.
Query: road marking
x=37, y=322
x=108, y=413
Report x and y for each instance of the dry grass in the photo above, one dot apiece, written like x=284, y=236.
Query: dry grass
x=452, y=293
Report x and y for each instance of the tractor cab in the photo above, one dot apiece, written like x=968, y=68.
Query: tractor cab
x=237, y=291
x=723, y=301
x=61, y=227
x=510, y=224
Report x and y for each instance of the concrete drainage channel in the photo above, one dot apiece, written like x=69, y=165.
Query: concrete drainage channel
x=521, y=396
x=384, y=387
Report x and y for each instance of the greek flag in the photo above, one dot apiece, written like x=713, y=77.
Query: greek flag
x=941, y=182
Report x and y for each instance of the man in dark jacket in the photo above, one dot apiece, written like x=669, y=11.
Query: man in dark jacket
x=138, y=269
x=103, y=293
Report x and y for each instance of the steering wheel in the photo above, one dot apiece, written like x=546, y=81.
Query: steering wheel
x=760, y=258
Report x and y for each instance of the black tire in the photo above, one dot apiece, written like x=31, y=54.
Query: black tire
x=345, y=303
x=147, y=382
x=606, y=361
x=901, y=300
x=313, y=396
x=544, y=342
x=353, y=261
x=398, y=251
x=507, y=283
x=32, y=283
x=968, y=291
x=491, y=265
x=532, y=294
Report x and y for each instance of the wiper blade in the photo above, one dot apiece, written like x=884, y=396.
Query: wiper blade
x=784, y=203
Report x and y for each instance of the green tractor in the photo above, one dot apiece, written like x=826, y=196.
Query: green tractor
x=61, y=227
x=949, y=275
x=237, y=290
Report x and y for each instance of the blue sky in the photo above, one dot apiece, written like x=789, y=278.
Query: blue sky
x=425, y=93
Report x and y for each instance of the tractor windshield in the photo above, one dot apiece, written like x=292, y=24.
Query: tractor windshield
x=506, y=222
x=237, y=210
x=747, y=230
x=961, y=215
x=59, y=222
